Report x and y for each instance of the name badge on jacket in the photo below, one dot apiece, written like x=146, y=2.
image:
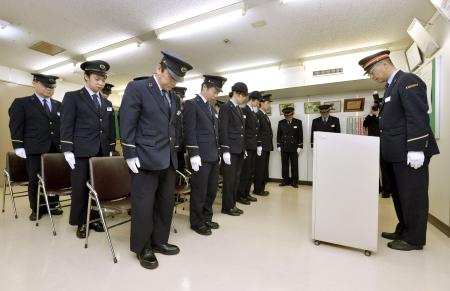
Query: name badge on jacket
x=295, y=126
x=57, y=113
x=108, y=108
x=387, y=99
x=333, y=125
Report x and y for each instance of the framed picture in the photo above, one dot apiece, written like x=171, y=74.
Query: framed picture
x=335, y=105
x=282, y=106
x=312, y=107
x=354, y=105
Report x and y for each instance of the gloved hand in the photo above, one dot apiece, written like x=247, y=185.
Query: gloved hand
x=70, y=158
x=415, y=159
x=134, y=164
x=245, y=155
x=299, y=150
x=279, y=149
x=110, y=154
x=259, y=151
x=20, y=152
x=227, y=158
x=196, y=162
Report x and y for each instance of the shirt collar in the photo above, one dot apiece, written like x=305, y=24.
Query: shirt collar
x=157, y=83
x=391, y=77
x=90, y=91
x=232, y=101
x=262, y=111
x=203, y=98
x=40, y=98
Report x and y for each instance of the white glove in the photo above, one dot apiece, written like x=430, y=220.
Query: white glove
x=134, y=164
x=415, y=159
x=245, y=155
x=259, y=151
x=299, y=150
x=70, y=158
x=110, y=154
x=21, y=153
x=196, y=162
x=279, y=149
x=227, y=158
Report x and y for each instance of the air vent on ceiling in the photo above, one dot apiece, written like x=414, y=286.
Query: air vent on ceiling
x=47, y=48
x=258, y=24
x=328, y=72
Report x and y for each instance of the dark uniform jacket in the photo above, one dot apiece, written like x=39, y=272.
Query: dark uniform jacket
x=179, y=125
x=31, y=128
x=290, y=136
x=371, y=123
x=265, y=131
x=332, y=125
x=252, y=138
x=201, y=130
x=84, y=129
x=231, y=129
x=404, y=121
x=147, y=125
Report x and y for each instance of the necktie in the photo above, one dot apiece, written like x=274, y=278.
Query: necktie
x=209, y=109
x=239, y=110
x=46, y=108
x=96, y=101
x=324, y=120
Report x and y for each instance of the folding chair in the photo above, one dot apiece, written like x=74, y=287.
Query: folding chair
x=53, y=180
x=109, y=188
x=182, y=188
x=15, y=174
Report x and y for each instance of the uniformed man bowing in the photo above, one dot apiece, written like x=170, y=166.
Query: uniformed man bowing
x=289, y=144
x=87, y=130
x=232, y=144
x=325, y=122
x=201, y=135
x=407, y=144
x=148, y=137
x=34, y=124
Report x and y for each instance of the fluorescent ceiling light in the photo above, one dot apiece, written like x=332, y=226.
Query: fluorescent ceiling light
x=249, y=66
x=286, y=1
x=443, y=6
x=112, y=51
x=65, y=68
x=202, y=22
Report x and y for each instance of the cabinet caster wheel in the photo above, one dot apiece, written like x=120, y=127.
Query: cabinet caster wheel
x=317, y=243
x=367, y=253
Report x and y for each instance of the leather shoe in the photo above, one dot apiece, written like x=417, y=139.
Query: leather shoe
x=231, y=212
x=284, y=184
x=32, y=216
x=251, y=198
x=403, y=246
x=81, y=231
x=203, y=230
x=243, y=201
x=262, y=193
x=266, y=193
x=390, y=235
x=166, y=249
x=385, y=195
x=240, y=211
x=97, y=226
x=147, y=259
x=295, y=185
x=56, y=211
x=212, y=224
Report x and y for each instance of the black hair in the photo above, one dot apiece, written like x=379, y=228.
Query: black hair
x=208, y=85
x=163, y=66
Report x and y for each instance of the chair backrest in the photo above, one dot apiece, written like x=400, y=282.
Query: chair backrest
x=110, y=177
x=55, y=171
x=16, y=168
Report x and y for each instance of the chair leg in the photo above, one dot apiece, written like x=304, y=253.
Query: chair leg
x=88, y=218
x=173, y=226
x=106, y=229
x=11, y=193
x=49, y=212
x=38, y=203
x=4, y=194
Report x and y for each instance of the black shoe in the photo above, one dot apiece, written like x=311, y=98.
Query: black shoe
x=57, y=211
x=212, y=224
x=231, y=212
x=385, y=195
x=284, y=184
x=390, y=235
x=294, y=184
x=240, y=211
x=147, y=259
x=81, y=231
x=166, y=249
x=403, y=246
x=97, y=226
x=32, y=216
x=243, y=201
x=203, y=230
x=251, y=198
x=264, y=193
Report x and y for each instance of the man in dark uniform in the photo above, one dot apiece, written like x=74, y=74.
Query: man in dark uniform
x=87, y=130
x=202, y=142
x=217, y=106
x=34, y=124
x=407, y=144
x=252, y=146
x=107, y=90
x=180, y=92
x=289, y=144
x=266, y=136
x=148, y=137
x=231, y=134
x=325, y=122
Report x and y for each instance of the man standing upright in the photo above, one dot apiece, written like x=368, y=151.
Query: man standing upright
x=325, y=122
